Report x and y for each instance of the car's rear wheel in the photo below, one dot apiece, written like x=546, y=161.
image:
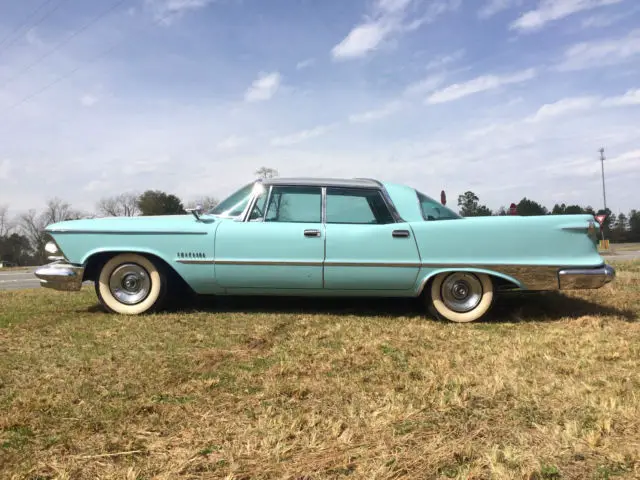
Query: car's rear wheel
x=461, y=296
x=131, y=284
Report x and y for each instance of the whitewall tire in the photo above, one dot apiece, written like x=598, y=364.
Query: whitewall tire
x=461, y=297
x=130, y=284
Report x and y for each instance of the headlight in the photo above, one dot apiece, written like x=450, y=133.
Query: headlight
x=52, y=248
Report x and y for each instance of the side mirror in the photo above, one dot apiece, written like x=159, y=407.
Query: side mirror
x=196, y=212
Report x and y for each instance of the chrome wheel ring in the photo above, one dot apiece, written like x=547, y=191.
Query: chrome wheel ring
x=461, y=292
x=130, y=283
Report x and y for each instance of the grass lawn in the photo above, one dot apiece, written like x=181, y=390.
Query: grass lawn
x=548, y=388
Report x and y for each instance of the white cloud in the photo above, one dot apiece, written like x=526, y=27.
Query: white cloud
x=434, y=10
x=389, y=17
x=5, y=169
x=231, y=143
x=605, y=20
x=492, y=7
x=393, y=6
x=425, y=85
x=264, y=87
x=301, y=136
x=479, y=84
x=562, y=107
x=552, y=10
x=599, y=53
x=167, y=10
x=309, y=62
x=361, y=40
x=377, y=114
x=89, y=100
x=632, y=97
x=445, y=60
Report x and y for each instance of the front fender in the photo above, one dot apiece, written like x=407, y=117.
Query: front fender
x=116, y=250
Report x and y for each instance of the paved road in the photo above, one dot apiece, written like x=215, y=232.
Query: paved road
x=18, y=280
x=623, y=256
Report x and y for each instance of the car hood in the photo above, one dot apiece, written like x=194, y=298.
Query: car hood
x=161, y=223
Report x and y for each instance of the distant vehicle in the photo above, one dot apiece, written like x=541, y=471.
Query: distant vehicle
x=6, y=264
x=325, y=237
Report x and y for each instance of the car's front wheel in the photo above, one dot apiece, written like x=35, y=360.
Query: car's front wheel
x=461, y=296
x=131, y=284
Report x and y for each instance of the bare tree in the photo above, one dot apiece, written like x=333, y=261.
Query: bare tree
x=207, y=203
x=123, y=205
x=266, y=172
x=5, y=224
x=34, y=224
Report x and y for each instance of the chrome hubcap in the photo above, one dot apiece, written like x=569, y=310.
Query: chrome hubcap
x=461, y=292
x=130, y=284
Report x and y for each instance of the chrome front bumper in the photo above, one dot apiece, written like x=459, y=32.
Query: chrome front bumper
x=60, y=276
x=585, y=278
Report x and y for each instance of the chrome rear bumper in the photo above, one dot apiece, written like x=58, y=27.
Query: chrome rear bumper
x=585, y=278
x=60, y=276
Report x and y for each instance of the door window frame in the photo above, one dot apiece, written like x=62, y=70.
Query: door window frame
x=365, y=193
x=245, y=217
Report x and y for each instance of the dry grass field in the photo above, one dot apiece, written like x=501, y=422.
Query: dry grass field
x=548, y=388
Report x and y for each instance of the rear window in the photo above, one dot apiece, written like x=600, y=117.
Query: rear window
x=432, y=210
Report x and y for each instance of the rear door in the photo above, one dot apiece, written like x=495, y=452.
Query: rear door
x=280, y=247
x=365, y=248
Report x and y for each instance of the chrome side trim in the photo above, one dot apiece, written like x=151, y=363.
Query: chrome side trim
x=201, y=261
x=585, y=278
x=293, y=263
x=128, y=232
x=323, y=217
x=60, y=276
x=374, y=264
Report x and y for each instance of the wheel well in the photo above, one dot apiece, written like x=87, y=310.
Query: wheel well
x=95, y=263
x=500, y=283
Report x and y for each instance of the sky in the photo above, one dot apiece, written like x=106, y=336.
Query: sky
x=507, y=98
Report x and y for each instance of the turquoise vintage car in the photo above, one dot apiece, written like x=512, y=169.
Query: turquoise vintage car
x=325, y=237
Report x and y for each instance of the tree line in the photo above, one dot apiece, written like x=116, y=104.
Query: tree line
x=617, y=228
x=23, y=237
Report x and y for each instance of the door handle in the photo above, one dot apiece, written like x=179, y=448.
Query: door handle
x=400, y=233
x=312, y=233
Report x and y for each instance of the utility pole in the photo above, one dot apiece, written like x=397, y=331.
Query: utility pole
x=604, y=193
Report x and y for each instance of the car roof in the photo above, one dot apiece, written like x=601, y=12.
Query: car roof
x=324, y=182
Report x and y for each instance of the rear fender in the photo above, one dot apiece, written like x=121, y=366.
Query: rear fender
x=428, y=274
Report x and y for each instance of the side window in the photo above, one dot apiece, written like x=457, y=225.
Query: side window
x=295, y=205
x=356, y=206
x=257, y=212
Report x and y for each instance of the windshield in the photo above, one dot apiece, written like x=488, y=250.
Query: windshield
x=432, y=210
x=235, y=204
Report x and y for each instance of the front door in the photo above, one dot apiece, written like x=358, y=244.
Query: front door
x=280, y=247
x=365, y=249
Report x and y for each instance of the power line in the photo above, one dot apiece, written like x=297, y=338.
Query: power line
x=29, y=17
x=62, y=77
x=26, y=21
x=79, y=67
x=65, y=41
